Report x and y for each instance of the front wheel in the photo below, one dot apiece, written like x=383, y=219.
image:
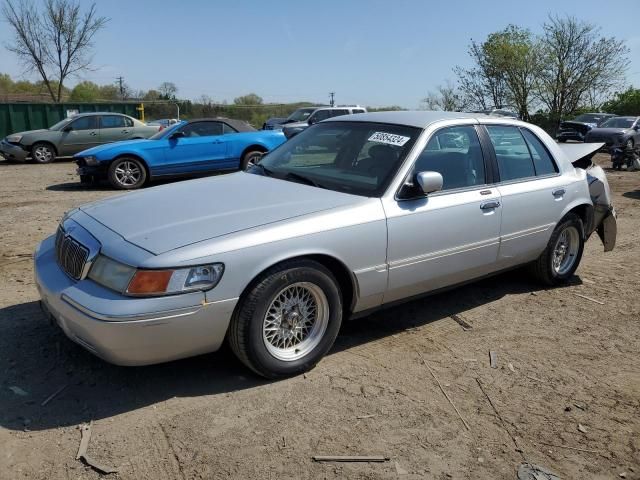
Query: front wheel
x=127, y=173
x=561, y=258
x=288, y=320
x=250, y=159
x=43, y=153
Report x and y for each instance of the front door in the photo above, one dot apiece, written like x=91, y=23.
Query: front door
x=201, y=148
x=450, y=236
x=80, y=134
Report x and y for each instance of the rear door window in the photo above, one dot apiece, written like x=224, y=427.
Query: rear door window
x=542, y=160
x=112, y=121
x=202, y=129
x=512, y=153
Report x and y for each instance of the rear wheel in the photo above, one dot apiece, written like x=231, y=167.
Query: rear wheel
x=288, y=320
x=561, y=258
x=43, y=153
x=127, y=173
x=250, y=158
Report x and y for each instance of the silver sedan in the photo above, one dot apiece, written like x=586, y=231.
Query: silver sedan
x=354, y=214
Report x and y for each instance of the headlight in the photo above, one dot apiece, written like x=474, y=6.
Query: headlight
x=130, y=281
x=14, y=138
x=111, y=274
x=91, y=160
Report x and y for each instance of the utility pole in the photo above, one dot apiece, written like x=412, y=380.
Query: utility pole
x=120, y=81
x=331, y=96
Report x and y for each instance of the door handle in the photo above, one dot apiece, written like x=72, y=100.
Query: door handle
x=93, y=134
x=559, y=192
x=217, y=141
x=489, y=205
x=125, y=131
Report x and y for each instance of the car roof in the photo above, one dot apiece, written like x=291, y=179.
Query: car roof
x=86, y=114
x=239, y=125
x=413, y=118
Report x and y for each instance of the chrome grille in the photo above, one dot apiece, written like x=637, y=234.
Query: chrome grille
x=70, y=254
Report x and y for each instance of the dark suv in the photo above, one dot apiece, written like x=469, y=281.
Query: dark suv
x=310, y=115
x=578, y=128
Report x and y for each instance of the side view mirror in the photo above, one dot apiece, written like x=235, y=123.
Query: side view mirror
x=176, y=135
x=311, y=120
x=429, y=182
x=636, y=127
x=68, y=128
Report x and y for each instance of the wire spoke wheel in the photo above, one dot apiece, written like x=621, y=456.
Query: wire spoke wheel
x=128, y=173
x=565, y=251
x=295, y=321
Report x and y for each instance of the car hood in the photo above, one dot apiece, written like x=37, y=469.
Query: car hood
x=31, y=132
x=109, y=146
x=167, y=217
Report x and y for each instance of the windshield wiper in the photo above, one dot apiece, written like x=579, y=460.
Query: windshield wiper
x=265, y=171
x=296, y=176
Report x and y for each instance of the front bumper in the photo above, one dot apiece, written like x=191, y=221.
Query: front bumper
x=96, y=171
x=570, y=135
x=13, y=152
x=124, y=330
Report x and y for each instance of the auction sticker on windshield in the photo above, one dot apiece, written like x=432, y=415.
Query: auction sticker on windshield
x=390, y=138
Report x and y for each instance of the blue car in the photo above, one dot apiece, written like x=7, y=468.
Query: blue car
x=187, y=148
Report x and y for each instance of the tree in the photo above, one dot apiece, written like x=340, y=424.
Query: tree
x=514, y=53
x=109, y=92
x=624, y=103
x=151, y=95
x=168, y=91
x=249, y=99
x=446, y=97
x=55, y=43
x=577, y=62
x=85, y=92
x=484, y=83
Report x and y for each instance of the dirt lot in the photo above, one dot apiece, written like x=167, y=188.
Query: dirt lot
x=566, y=391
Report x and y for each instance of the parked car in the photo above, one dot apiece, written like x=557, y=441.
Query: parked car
x=273, y=123
x=577, y=128
x=72, y=135
x=621, y=132
x=194, y=147
x=274, y=258
x=309, y=116
x=163, y=122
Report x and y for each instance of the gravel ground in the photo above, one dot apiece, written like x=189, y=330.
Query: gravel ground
x=565, y=395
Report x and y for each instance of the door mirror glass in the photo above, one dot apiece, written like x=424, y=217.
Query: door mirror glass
x=429, y=182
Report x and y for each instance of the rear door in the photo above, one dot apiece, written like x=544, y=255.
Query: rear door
x=533, y=193
x=81, y=134
x=115, y=128
x=202, y=148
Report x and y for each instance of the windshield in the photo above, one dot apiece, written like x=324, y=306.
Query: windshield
x=300, y=115
x=359, y=158
x=60, y=124
x=619, y=122
x=166, y=132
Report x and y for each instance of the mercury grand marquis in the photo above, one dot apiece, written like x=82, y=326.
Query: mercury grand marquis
x=355, y=213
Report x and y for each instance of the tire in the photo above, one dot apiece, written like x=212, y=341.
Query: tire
x=261, y=328
x=43, y=152
x=250, y=158
x=127, y=173
x=549, y=268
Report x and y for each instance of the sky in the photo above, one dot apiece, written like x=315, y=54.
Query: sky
x=368, y=52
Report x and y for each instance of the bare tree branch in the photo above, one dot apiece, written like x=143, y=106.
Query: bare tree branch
x=56, y=43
